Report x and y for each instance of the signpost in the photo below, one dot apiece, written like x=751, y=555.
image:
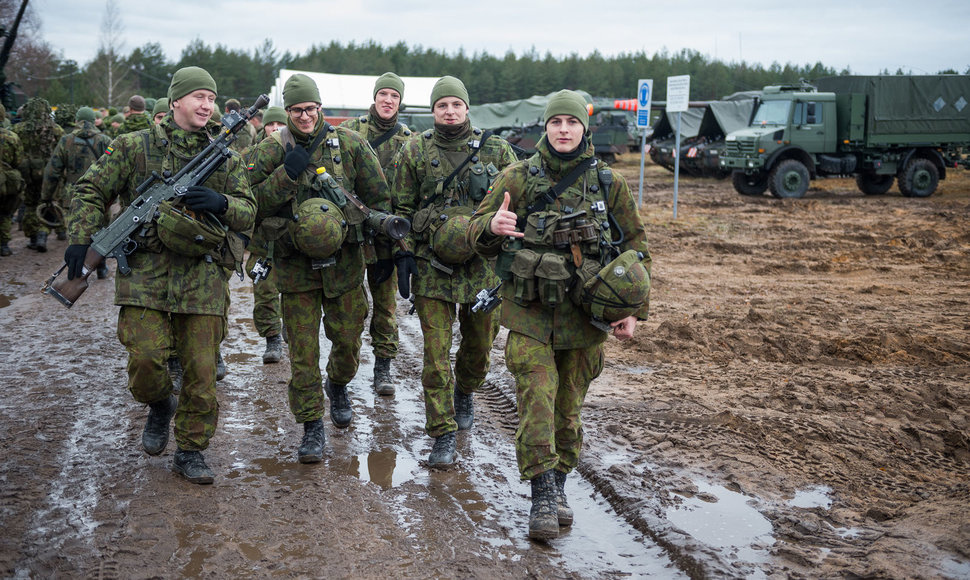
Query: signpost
x=644, y=96
x=678, y=101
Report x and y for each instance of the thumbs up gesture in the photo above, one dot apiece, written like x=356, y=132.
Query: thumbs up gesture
x=503, y=223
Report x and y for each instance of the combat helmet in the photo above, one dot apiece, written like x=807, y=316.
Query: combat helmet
x=449, y=241
x=318, y=228
x=619, y=289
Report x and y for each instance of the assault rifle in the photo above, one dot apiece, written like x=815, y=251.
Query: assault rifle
x=118, y=239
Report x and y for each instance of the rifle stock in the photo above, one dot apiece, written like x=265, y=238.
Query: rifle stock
x=118, y=240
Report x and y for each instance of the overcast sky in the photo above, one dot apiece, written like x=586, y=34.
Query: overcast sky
x=866, y=36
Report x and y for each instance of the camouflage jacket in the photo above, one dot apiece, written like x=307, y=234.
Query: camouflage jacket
x=11, y=156
x=135, y=122
x=75, y=152
x=370, y=131
x=245, y=139
x=565, y=325
x=38, y=139
x=353, y=163
x=161, y=279
x=414, y=177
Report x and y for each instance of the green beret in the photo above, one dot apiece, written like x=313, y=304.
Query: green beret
x=449, y=87
x=188, y=79
x=389, y=80
x=84, y=114
x=567, y=102
x=274, y=115
x=300, y=88
x=161, y=106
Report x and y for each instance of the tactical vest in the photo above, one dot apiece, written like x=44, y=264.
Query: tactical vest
x=82, y=152
x=385, y=151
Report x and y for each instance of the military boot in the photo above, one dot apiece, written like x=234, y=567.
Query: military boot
x=274, y=349
x=155, y=436
x=175, y=372
x=221, y=370
x=5, y=250
x=314, y=438
x=191, y=465
x=41, y=242
x=565, y=512
x=61, y=235
x=443, y=453
x=382, y=377
x=340, y=411
x=464, y=409
x=32, y=242
x=543, y=518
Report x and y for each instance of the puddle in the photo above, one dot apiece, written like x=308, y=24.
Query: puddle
x=814, y=497
x=953, y=568
x=728, y=523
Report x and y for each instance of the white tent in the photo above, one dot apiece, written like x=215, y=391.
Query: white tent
x=354, y=91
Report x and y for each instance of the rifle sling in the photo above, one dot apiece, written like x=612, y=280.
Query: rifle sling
x=447, y=181
x=385, y=137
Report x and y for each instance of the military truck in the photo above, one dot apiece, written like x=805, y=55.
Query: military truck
x=876, y=128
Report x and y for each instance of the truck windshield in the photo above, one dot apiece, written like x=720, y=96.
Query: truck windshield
x=771, y=113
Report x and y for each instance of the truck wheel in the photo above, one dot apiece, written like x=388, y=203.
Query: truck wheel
x=788, y=179
x=919, y=178
x=749, y=184
x=873, y=184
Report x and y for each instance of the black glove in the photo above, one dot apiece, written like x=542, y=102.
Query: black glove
x=201, y=198
x=74, y=258
x=380, y=271
x=406, y=266
x=295, y=161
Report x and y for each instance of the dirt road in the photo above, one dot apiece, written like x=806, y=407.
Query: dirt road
x=797, y=406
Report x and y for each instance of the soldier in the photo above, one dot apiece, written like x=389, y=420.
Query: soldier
x=266, y=294
x=4, y=121
x=437, y=180
x=171, y=301
x=246, y=136
x=319, y=257
x=72, y=156
x=135, y=117
x=387, y=136
x=159, y=110
x=557, y=222
x=39, y=135
x=11, y=184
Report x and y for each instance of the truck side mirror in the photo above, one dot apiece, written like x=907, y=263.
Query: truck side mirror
x=811, y=118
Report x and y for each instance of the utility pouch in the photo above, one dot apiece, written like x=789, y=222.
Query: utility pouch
x=421, y=223
x=524, y=276
x=552, y=274
x=479, y=179
x=540, y=227
x=275, y=230
x=187, y=234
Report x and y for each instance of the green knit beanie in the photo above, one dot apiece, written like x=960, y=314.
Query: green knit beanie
x=161, y=106
x=449, y=87
x=274, y=115
x=188, y=79
x=300, y=88
x=389, y=80
x=567, y=102
x=84, y=114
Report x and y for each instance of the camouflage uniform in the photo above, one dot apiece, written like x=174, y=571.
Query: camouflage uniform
x=39, y=136
x=135, y=122
x=11, y=184
x=424, y=162
x=170, y=302
x=72, y=156
x=383, y=324
x=336, y=290
x=553, y=351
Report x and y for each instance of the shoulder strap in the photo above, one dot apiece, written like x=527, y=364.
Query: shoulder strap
x=476, y=145
x=556, y=190
x=384, y=138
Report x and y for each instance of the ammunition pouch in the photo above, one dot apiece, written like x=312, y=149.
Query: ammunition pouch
x=540, y=228
x=552, y=275
x=523, y=272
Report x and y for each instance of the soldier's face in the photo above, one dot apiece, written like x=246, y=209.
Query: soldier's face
x=304, y=115
x=272, y=127
x=194, y=110
x=450, y=111
x=564, y=133
x=387, y=102
x=159, y=116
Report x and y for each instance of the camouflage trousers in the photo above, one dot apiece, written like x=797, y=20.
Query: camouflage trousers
x=383, y=322
x=550, y=387
x=471, y=362
x=150, y=336
x=9, y=204
x=32, y=224
x=343, y=324
x=266, y=302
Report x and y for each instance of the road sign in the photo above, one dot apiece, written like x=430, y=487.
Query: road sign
x=644, y=96
x=678, y=93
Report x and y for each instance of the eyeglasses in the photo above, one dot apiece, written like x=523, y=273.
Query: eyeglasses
x=297, y=112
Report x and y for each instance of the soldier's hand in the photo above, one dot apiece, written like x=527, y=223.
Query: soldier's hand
x=201, y=198
x=503, y=222
x=623, y=329
x=380, y=271
x=296, y=160
x=74, y=258
x=406, y=266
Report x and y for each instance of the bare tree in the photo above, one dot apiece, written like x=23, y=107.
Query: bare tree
x=109, y=68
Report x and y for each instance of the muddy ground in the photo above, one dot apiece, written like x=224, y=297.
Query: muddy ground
x=796, y=407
